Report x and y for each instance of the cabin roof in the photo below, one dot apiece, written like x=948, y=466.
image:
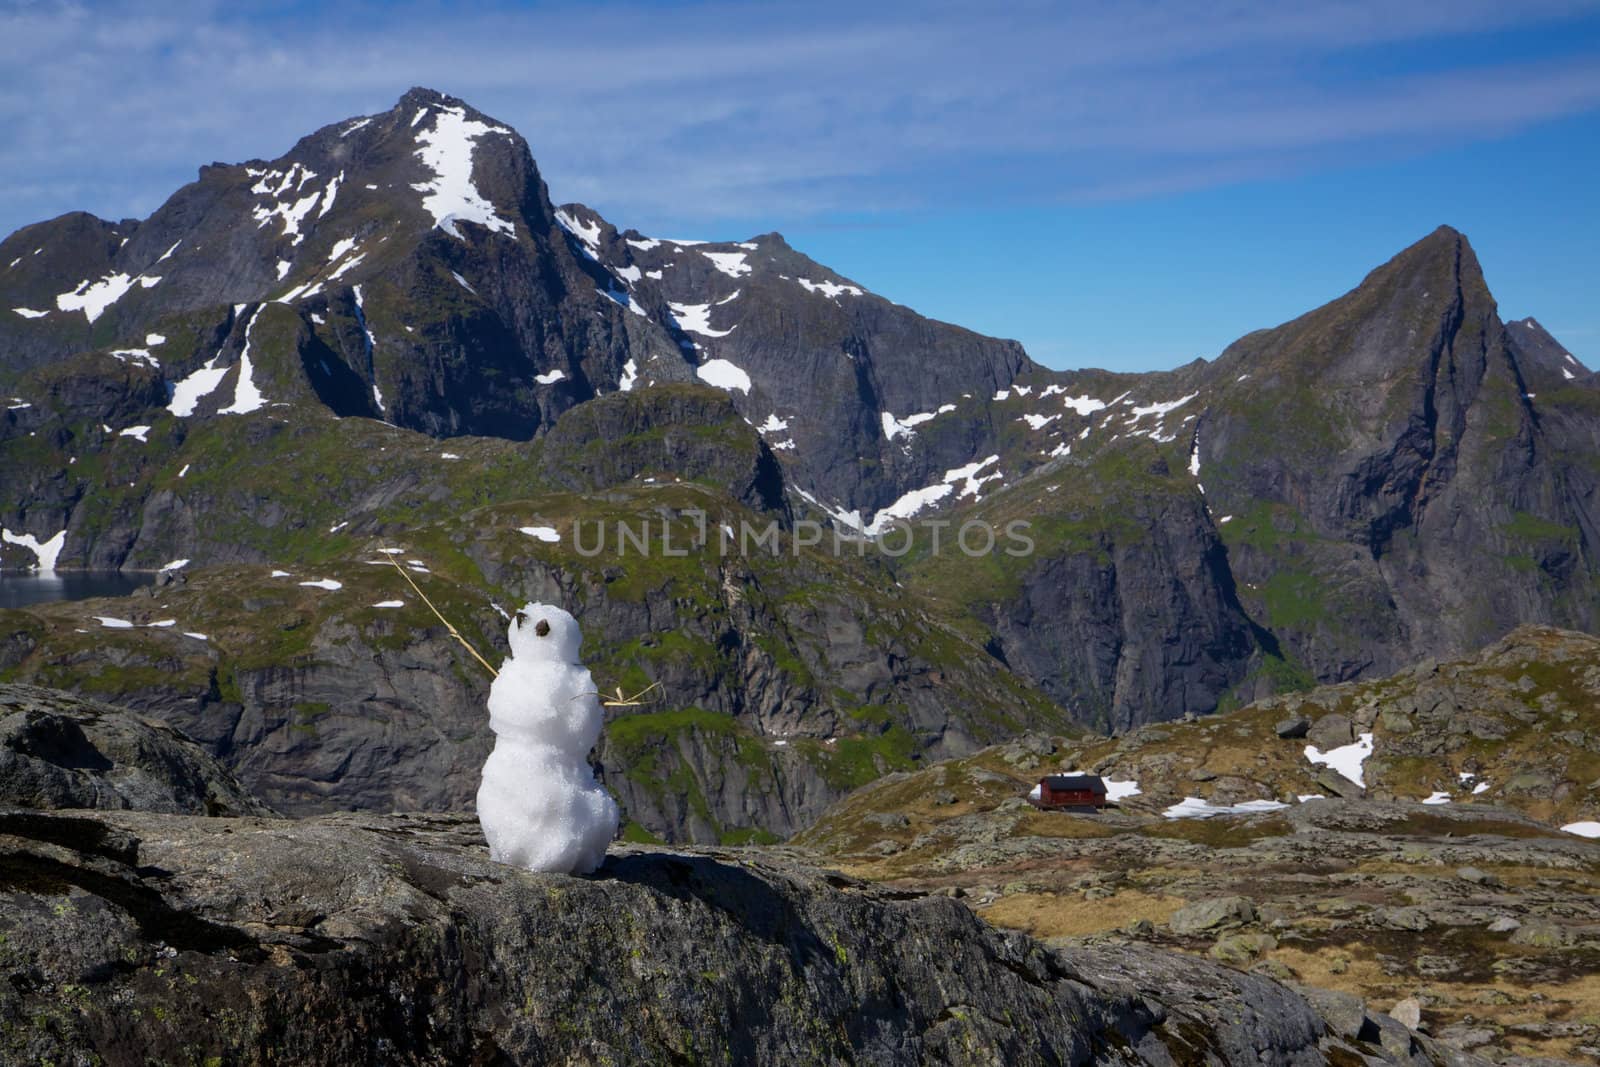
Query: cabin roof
x=1091, y=782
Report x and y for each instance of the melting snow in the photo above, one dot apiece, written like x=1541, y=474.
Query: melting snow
x=723, y=375
x=587, y=234
x=645, y=245
x=832, y=290
x=138, y=433
x=185, y=470
x=173, y=565
x=1160, y=410
x=1037, y=422
x=137, y=356
x=464, y=283
x=390, y=604
x=1582, y=829
x=246, y=397
x=358, y=124
x=1348, y=760
x=188, y=393
x=1437, y=797
x=696, y=318
x=284, y=267
x=154, y=339
x=547, y=534
x=328, y=197
x=45, y=553
x=1196, y=808
x=92, y=298
x=29, y=313
x=280, y=574
x=550, y=377
x=452, y=197
x=630, y=376
x=111, y=623
x=969, y=474
x=729, y=263
x=773, y=425
x=197, y=637
x=324, y=583
x=1084, y=405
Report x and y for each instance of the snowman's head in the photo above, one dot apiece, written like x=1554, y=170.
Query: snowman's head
x=542, y=633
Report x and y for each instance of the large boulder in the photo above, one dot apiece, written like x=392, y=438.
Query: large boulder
x=61, y=751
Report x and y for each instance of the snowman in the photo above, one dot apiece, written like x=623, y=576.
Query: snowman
x=539, y=804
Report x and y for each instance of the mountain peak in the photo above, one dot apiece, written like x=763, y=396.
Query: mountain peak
x=420, y=96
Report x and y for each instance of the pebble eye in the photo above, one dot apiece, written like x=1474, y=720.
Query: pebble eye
x=543, y=629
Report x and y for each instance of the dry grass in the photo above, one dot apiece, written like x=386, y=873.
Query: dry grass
x=1060, y=915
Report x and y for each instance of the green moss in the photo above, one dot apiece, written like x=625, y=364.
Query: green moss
x=636, y=834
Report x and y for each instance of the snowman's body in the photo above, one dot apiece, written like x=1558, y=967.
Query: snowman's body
x=539, y=804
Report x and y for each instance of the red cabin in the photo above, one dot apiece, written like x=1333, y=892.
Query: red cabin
x=1069, y=791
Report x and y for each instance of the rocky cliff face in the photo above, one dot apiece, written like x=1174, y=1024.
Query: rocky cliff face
x=373, y=939
x=58, y=751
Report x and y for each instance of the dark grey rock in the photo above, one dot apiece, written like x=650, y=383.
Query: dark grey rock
x=1293, y=728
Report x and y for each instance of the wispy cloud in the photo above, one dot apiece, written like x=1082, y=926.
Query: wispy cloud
x=719, y=114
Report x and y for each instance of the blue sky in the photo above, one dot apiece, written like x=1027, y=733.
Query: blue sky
x=1129, y=185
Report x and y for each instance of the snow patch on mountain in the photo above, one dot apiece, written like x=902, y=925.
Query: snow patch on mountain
x=696, y=318
x=829, y=289
x=630, y=376
x=447, y=149
x=723, y=375
x=45, y=553
x=585, y=233
x=29, y=313
x=246, y=397
x=93, y=297
x=139, y=357
x=730, y=263
x=550, y=377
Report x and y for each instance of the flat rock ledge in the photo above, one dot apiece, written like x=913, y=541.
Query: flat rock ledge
x=135, y=938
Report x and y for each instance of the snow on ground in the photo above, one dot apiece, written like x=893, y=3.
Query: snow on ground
x=464, y=283
x=547, y=534
x=645, y=245
x=1196, y=808
x=281, y=574
x=448, y=455
x=622, y=298
x=1159, y=410
x=1437, y=797
x=550, y=377
x=246, y=397
x=188, y=393
x=151, y=340
x=723, y=375
x=696, y=318
x=29, y=313
x=138, y=433
x=111, y=623
x=829, y=289
x=918, y=499
x=893, y=427
x=452, y=197
x=390, y=604
x=329, y=196
x=1085, y=405
x=325, y=583
x=164, y=624
x=773, y=425
x=1303, y=797
x=197, y=637
x=1348, y=760
x=139, y=357
x=18, y=404
x=633, y=275
x=1582, y=829
x=175, y=565
x=1038, y=422
x=587, y=234
x=45, y=553
x=1194, y=455
x=969, y=475
x=339, y=272
x=729, y=263
x=1481, y=787
x=630, y=376
x=92, y=298
x=284, y=267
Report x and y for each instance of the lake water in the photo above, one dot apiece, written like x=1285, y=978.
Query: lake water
x=20, y=590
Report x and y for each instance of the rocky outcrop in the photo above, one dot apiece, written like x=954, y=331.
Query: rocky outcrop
x=60, y=751
x=393, y=939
